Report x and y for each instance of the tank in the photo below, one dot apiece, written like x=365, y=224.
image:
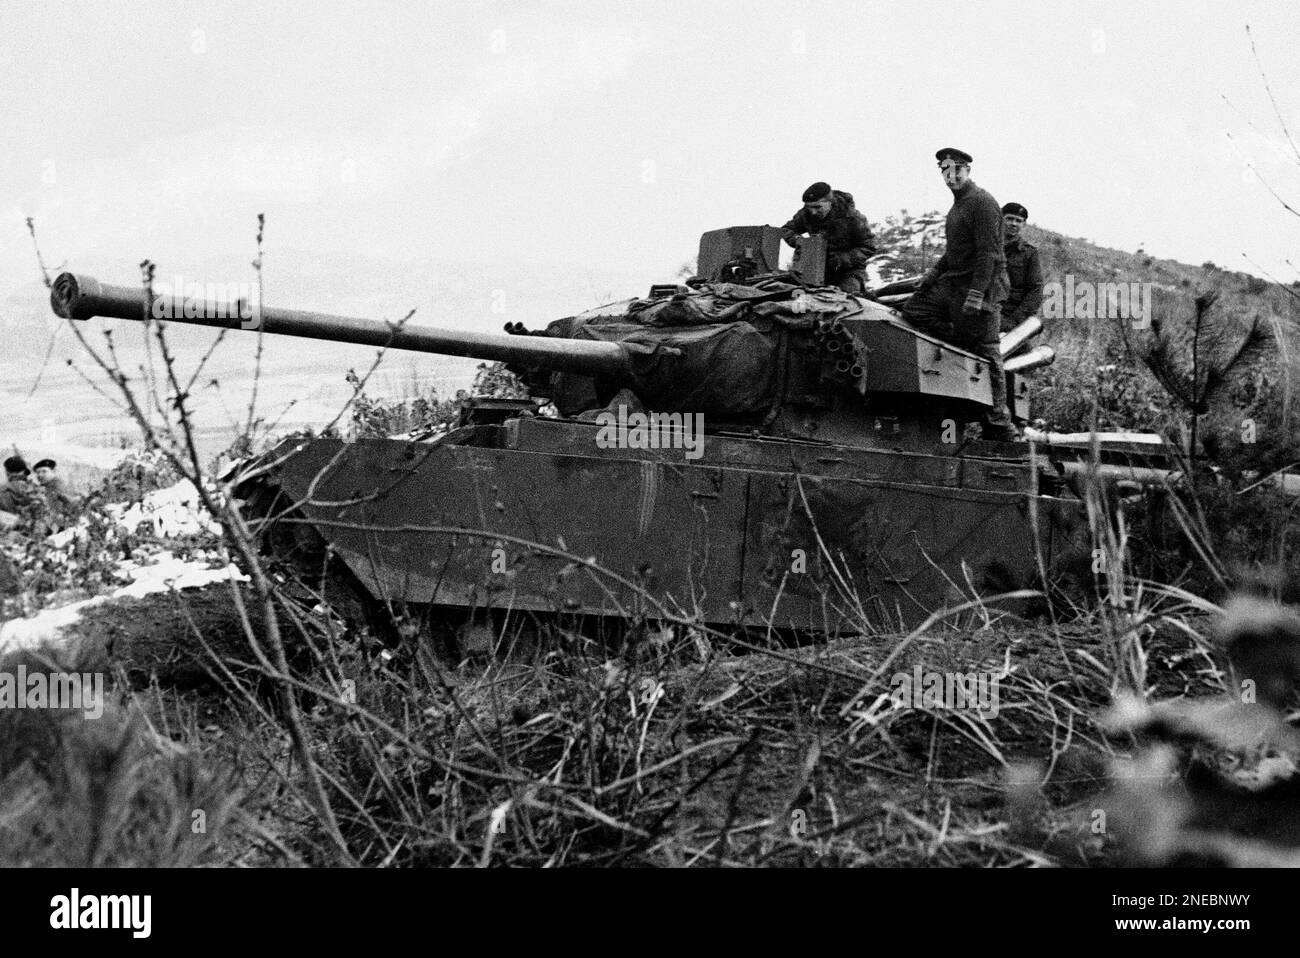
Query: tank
x=745, y=449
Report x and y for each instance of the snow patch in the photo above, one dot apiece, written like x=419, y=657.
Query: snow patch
x=170, y=513
x=169, y=572
x=162, y=575
x=46, y=626
x=174, y=511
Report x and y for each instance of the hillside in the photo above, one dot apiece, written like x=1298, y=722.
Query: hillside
x=1097, y=358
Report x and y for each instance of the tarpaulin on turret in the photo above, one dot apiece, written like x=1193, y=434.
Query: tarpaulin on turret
x=710, y=349
x=727, y=302
x=716, y=369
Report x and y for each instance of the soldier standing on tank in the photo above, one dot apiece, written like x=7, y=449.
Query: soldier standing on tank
x=1025, y=274
x=960, y=297
x=1024, y=269
x=849, y=243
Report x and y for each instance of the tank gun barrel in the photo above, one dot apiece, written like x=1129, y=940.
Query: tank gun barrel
x=82, y=297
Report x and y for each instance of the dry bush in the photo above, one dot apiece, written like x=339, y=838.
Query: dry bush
x=84, y=791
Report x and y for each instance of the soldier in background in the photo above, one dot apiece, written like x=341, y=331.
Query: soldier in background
x=1024, y=269
x=62, y=503
x=849, y=243
x=960, y=297
x=20, y=497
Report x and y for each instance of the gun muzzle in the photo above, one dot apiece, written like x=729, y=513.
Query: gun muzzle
x=1012, y=341
x=1036, y=357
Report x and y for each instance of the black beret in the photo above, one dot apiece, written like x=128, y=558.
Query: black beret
x=16, y=464
x=46, y=462
x=818, y=191
x=1015, y=209
x=959, y=155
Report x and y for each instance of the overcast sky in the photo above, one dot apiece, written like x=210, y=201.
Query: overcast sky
x=617, y=133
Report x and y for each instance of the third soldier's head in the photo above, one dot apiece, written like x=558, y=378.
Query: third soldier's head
x=1013, y=218
x=817, y=200
x=954, y=166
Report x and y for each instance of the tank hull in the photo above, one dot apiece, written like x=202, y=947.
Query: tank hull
x=534, y=515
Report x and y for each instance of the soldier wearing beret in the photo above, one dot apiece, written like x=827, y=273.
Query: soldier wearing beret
x=20, y=497
x=960, y=297
x=1024, y=269
x=849, y=243
x=62, y=503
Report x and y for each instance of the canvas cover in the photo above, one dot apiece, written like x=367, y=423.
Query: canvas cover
x=719, y=369
x=709, y=350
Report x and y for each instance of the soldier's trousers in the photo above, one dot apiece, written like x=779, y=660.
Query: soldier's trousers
x=938, y=311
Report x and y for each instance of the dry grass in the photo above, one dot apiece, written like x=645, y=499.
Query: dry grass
x=672, y=751
x=109, y=790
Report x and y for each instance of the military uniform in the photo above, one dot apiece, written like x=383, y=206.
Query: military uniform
x=973, y=261
x=849, y=243
x=1025, y=274
x=17, y=495
x=26, y=500
x=63, y=504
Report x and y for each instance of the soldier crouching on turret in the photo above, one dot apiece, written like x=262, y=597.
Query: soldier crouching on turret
x=849, y=243
x=960, y=297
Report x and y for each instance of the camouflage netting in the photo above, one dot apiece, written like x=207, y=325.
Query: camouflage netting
x=724, y=338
